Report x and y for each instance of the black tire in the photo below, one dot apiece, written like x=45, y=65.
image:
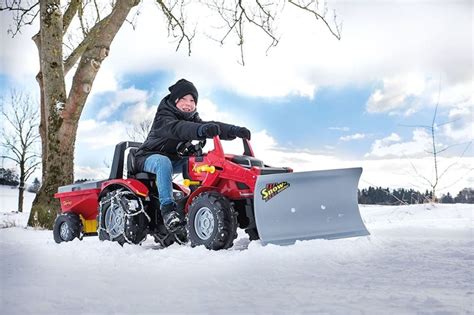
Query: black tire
x=212, y=221
x=115, y=222
x=67, y=227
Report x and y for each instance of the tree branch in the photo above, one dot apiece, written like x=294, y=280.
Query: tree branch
x=417, y=173
x=456, y=162
x=30, y=170
x=23, y=15
x=174, y=23
x=76, y=54
x=70, y=13
x=305, y=7
x=415, y=126
x=264, y=25
x=10, y=158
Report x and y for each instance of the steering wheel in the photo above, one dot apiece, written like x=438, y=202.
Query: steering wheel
x=188, y=148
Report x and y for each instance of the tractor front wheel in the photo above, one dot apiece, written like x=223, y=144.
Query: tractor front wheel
x=212, y=221
x=67, y=227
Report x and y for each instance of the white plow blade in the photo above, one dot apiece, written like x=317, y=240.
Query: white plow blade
x=308, y=205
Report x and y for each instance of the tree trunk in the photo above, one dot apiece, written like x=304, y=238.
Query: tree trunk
x=45, y=207
x=21, y=188
x=60, y=114
x=20, y=198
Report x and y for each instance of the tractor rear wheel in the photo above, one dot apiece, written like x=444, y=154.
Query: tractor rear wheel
x=122, y=218
x=67, y=227
x=212, y=221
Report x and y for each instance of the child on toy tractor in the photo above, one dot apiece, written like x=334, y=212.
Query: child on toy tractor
x=177, y=120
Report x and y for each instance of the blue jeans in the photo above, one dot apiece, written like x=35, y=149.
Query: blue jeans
x=164, y=169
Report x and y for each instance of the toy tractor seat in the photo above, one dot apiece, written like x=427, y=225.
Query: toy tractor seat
x=132, y=172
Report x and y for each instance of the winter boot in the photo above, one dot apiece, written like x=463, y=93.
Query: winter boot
x=171, y=217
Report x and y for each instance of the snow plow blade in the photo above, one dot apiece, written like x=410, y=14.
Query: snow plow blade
x=308, y=205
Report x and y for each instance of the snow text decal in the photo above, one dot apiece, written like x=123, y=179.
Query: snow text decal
x=273, y=189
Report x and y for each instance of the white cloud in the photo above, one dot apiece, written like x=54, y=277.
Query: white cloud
x=307, y=57
x=461, y=126
x=458, y=95
x=356, y=136
x=129, y=95
x=18, y=55
x=395, y=93
x=139, y=112
x=407, y=93
x=96, y=135
x=339, y=128
x=209, y=111
x=106, y=80
x=90, y=173
x=386, y=147
x=392, y=138
x=299, y=65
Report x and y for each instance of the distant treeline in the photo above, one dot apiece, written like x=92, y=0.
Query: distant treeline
x=385, y=196
x=82, y=180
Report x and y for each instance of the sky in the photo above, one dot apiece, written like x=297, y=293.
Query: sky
x=313, y=102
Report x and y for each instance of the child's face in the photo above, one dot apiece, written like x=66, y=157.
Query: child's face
x=186, y=104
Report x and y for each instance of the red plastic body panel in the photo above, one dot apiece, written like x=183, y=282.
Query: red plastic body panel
x=225, y=178
x=83, y=202
x=136, y=186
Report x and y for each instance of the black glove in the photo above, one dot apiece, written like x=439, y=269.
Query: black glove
x=240, y=132
x=209, y=130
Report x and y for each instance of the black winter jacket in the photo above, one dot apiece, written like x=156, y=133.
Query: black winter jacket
x=170, y=127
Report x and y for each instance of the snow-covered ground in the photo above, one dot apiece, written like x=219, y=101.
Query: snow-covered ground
x=418, y=260
x=9, y=204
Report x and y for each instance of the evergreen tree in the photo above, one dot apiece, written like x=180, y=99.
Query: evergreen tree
x=8, y=177
x=34, y=188
x=447, y=198
x=465, y=196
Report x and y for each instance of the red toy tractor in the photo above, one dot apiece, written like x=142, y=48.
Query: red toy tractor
x=220, y=193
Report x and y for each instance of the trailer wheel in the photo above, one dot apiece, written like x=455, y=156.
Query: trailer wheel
x=121, y=218
x=212, y=221
x=67, y=227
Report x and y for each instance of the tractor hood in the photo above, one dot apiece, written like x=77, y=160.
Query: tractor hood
x=250, y=161
x=245, y=161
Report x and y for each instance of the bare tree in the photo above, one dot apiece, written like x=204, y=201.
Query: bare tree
x=20, y=136
x=139, y=131
x=436, y=150
x=63, y=48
